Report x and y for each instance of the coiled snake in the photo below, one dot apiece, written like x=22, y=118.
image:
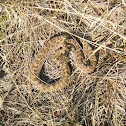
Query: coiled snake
x=51, y=68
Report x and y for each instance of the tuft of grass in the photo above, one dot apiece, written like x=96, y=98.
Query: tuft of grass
x=4, y=23
x=0, y=123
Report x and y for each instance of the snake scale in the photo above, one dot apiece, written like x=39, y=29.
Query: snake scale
x=51, y=68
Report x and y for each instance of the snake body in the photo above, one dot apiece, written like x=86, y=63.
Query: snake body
x=51, y=68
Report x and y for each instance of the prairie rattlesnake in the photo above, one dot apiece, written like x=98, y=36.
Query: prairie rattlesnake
x=51, y=67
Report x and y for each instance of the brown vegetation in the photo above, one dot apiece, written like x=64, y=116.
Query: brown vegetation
x=98, y=99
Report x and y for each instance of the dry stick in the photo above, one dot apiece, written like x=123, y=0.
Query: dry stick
x=23, y=98
x=100, y=46
x=87, y=16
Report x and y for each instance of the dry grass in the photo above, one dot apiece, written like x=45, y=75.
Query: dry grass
x=95, y=100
